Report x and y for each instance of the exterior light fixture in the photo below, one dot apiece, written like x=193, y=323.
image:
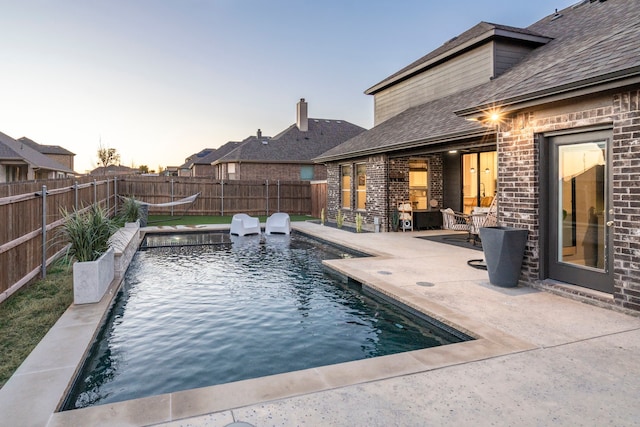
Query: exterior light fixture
x=473, y=170
x=487, y=170
x=453, y=151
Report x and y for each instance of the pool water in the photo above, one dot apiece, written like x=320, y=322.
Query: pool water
x=229, y=308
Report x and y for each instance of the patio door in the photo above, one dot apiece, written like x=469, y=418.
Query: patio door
x=580, y=218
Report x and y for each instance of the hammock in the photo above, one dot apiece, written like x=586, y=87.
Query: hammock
x=187, y=200
x=184, y=201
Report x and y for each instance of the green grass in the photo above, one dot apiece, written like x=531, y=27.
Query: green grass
x=27, y=315
x=207, y=219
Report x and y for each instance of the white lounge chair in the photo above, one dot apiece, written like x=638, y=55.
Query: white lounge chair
x=278, y=223
x=243, y=224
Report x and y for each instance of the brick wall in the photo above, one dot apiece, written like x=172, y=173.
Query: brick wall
x=387, y=185
x=519, y=181
x=275, y=171
x=626, y=198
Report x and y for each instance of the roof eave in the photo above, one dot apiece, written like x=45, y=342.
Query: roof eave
x=407, y=145
x=589, y=86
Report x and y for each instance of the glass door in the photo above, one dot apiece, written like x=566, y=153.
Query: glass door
x=579, y=210
x=479, y=175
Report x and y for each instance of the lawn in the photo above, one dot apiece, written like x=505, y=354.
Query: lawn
x=27, y=316
x=208, y=219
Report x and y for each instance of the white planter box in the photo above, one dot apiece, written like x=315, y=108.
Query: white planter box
x=92, y=278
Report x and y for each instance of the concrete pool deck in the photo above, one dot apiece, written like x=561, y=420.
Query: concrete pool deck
x=538, y=359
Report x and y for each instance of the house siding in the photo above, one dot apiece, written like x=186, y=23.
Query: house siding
x=467, y=70
x=508, y=54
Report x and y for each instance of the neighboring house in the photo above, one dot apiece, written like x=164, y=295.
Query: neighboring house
x=545, y=118
x=199, y=164
x=289, y=155
x=54, y=152
x=20, y=162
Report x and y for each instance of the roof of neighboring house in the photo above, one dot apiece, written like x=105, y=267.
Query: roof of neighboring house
x=15, y=150
x=197, y=158
x=594, y=46
x=293, y=145
x=46, y=149
x=113, y=169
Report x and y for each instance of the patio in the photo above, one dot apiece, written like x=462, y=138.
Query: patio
x=539, y=359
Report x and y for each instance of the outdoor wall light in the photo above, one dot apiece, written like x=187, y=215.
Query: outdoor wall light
x=487, y=170
x=473, y=170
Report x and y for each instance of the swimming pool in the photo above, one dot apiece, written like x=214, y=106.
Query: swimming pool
x=209, y=309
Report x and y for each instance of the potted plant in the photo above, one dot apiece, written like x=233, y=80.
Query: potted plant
x=88, y=233
x=130, y=212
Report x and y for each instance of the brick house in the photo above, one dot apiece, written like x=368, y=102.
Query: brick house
x=287, y=156
x=545, y=118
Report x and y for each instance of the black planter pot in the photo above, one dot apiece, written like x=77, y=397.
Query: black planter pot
x=503, y=251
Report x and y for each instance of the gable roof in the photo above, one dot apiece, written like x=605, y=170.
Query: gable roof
x=15, y=150
x=45, y=149
x=293, y=145
x=479, y=34
x=594, y=46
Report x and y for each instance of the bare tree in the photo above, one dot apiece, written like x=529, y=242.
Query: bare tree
x=107, y=157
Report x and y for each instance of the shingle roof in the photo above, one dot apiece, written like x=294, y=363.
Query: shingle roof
x=429, y=123
x=45, y=149
x=197, y=158
x=292, y=145
x=12, y=149
x=593, y=42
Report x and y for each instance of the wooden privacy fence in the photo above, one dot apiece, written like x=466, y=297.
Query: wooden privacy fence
x=30, y=212
x=219, y=197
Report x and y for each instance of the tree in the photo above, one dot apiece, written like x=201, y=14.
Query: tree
x=107, y=157
x=143, y=169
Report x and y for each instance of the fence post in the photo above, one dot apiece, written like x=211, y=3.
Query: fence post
x=172, y=196
x=115, y=195
x=278, y=195
x=222, y=197
x=267, y=197
x=44, y=232
x=95, y=192
x=107, y=196
x=75, y=188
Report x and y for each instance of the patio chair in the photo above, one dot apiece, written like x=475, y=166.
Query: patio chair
x=243, y=224
x=456, y=221
x=483, y=218
x=279, y=223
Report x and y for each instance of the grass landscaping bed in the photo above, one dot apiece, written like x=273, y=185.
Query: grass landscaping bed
x=27, y=316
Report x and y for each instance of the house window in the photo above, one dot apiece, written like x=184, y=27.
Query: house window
x=361, y=186
x=419, y=183
x=306, y=173
x=345, y=186
x=479, y=179
x=231, y=171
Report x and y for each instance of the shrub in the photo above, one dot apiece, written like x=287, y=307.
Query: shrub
x=88, y=231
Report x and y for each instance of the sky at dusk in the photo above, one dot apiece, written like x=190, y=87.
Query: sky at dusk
x=159, y=80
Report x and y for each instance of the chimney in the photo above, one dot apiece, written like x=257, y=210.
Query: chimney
x=302, y=119
x=259, y=134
